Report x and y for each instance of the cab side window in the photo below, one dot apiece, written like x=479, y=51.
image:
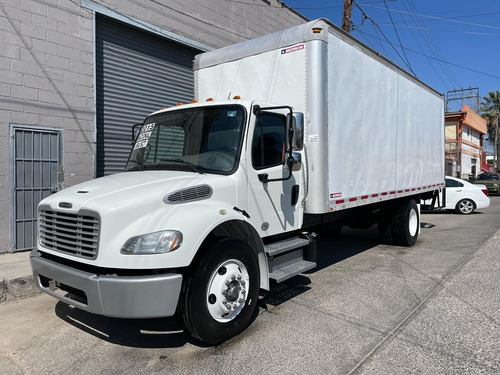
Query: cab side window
x=268, y=143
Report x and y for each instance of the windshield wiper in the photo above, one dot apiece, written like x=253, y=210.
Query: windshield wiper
x=191, y=166
x=137, y=167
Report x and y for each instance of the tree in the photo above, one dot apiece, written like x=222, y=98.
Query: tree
x=490, y=110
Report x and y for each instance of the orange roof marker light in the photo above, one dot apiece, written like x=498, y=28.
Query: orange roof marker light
x=180, y=103
x=210, y=99
x=194, y=101
x=236, y=97
x=317, y=30
x=163, y=107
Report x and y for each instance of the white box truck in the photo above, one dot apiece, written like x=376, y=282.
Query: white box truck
x=222, y=196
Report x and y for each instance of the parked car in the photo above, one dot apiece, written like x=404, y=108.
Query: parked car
x=491, y=180
x=464, y=197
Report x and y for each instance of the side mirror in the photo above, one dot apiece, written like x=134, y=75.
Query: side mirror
x=298, y=135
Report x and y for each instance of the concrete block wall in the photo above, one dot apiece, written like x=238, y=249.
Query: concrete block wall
x=46, y=80
x=215, y=23
x=47, y=65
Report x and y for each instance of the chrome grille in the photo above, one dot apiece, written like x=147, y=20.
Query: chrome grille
x=74, y=234
x=194, y=193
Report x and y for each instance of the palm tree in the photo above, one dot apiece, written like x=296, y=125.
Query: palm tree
x=490, y=111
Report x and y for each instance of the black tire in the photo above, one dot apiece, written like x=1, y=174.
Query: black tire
x=384, y=230
x=401, y=228
x=220, y=296
x=465, y=207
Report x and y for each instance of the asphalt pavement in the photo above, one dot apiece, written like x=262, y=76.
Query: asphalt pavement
x=367, y=309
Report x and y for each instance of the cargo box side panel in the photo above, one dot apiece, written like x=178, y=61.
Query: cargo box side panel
x=276, y=76
x=363, y=100
x=420, y=152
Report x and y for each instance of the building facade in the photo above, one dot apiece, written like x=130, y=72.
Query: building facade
x=464, y=133
x=76, y=75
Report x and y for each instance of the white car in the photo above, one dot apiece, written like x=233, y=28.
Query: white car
x=464, y=197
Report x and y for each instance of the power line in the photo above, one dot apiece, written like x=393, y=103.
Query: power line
x=440, y=60
x=463, y=16
x=357, y=24
x=444, y=30
x=439, y=18
x=334, y=6
x=431, y=63
x=429, y=41
x=397, y=35
x=366, y=16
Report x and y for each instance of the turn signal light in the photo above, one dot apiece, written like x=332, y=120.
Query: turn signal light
x=210, y=99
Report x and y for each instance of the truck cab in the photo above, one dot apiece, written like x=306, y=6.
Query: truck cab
x=207, y=211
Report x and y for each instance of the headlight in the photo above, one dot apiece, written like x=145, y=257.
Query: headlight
x=153, y=243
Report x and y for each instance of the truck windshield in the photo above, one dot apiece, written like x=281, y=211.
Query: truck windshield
x=202, y=139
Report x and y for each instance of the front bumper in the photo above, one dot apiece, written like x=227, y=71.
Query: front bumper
x=150, y=296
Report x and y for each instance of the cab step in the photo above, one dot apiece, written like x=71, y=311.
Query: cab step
x=286, y=272
x=286, y=245
x=290, y=257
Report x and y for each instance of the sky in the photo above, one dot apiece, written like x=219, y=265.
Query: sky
x=448, y=44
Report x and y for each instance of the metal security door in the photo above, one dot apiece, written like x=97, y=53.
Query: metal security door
x=136, y=74
x=35, y=156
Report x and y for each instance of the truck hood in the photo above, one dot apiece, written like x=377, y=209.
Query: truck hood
x=109, y=193
x=131, y=204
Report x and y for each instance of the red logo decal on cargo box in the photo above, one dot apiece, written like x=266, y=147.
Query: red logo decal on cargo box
x=292, y=49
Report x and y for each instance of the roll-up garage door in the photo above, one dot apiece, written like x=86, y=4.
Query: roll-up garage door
x=136, y=74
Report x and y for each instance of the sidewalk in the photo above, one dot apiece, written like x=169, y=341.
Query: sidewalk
x=16, y=279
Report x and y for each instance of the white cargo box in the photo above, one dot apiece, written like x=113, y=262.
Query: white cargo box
x=372, y=131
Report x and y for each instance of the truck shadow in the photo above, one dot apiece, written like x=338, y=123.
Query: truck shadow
x=348, y=243
x=137, y=333
x=331, y=250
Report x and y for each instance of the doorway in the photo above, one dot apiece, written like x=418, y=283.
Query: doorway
x=35, y=157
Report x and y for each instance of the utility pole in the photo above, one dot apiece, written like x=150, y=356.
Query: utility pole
x=346, y=19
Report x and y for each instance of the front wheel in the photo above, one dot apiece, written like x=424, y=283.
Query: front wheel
x=221, y=294
x=465, y=207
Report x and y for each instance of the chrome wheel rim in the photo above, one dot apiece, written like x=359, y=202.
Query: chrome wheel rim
x=466, y=207
x=227, y=290
x=413, y=222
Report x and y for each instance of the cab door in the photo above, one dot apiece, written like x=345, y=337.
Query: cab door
x=274, y=206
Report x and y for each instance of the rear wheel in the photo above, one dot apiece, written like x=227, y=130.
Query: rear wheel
x=220, y=297
x=465, y=207
x=401, y=226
